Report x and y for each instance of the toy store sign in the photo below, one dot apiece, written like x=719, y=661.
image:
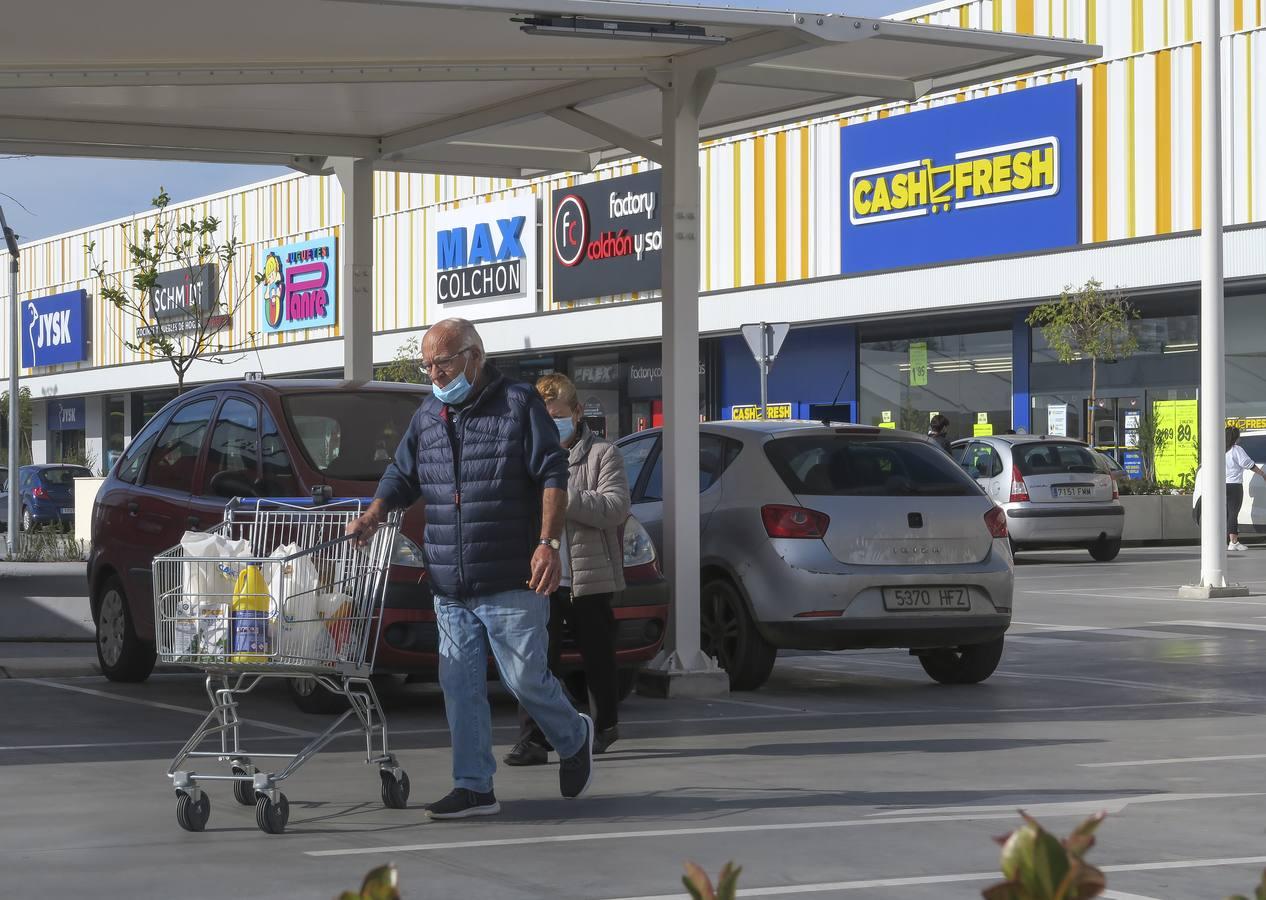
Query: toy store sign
x=299, y=288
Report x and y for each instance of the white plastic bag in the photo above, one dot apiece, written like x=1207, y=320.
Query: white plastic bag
x=203, y=609
x=293, y=585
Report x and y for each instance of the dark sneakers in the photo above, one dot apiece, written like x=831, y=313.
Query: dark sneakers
x=462, y=803
x=575, y=772
x=606, y=737
x=527, y=752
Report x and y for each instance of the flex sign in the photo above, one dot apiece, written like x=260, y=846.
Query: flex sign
x=985, y=177
x=606, y=237
x=481, y=260
x=53, y=331
x=300, y=286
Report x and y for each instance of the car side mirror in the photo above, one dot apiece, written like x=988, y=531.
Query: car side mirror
x=232, y=484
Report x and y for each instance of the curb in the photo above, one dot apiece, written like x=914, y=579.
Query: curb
x=58, y=668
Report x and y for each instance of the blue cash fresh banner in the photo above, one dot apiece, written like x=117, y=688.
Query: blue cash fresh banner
x=984, y=177
x=52, y=330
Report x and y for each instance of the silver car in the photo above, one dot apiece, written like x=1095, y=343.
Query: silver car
x=1056, y=491
x=838, y=537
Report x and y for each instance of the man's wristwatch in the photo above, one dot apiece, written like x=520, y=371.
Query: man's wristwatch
x=552, y=543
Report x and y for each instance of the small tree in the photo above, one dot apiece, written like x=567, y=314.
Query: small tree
x=405, y=366
x=24, y=422
x=1088, y=323
x=172, y=241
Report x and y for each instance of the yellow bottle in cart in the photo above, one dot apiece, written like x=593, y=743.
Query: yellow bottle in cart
x=251, y=605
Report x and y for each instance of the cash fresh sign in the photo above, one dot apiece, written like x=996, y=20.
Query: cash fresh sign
x=984, y=177
x=481, y=260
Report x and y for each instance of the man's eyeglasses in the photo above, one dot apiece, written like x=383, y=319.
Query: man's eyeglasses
x=444, y=363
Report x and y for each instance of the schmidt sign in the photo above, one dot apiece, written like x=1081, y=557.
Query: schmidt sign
x=483, y=256
x=986, y=177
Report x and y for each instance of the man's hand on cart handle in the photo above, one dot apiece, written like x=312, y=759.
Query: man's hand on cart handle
x=364, y=527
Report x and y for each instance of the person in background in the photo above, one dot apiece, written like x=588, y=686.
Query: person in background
x=938, y=431
x=1237, y=463
x=483, y=455
x=593, y=568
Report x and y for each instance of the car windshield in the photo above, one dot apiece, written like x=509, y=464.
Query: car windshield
x=1054, y=458
x=350, y=435
x=64, y=476
x=1255, y=446
x=841, y=465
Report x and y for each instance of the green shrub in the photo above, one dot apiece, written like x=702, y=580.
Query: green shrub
x=1039, y=866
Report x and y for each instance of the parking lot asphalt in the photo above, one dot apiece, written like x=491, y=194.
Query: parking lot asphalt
x=848, y=775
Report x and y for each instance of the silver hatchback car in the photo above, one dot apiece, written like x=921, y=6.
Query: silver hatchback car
x=838, y=537
x=1056, y=491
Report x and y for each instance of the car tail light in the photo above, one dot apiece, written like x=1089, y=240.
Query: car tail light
x=793, y=522
x=996, y=522
x=408, y=554
x=1116, y=491
x=39, y=493
x=641, y=562
x=1019, y=490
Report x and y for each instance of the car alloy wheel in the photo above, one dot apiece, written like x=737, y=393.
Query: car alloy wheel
x=728, y=634
x=111, y=627
x=28, y=522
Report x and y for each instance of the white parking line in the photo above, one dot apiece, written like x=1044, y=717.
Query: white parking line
x=909, y=817
x=1197, y=623
x=1170, y=762
x=154, y=704
x=823, y=887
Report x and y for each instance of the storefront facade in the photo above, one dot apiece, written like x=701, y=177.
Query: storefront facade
x=907, y=285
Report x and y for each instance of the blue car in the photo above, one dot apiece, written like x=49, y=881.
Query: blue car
x=48, y=494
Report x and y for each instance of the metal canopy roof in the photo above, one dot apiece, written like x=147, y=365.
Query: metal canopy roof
x=448, y=87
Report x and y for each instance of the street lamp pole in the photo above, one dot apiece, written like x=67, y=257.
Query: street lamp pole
x=15, y=423
x=1213, y=516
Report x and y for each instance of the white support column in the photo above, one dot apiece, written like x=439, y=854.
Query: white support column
x=356, y=282
x=682, y=669
x=1213, y=513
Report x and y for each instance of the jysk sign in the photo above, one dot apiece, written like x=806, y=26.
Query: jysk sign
x=481, y=260
x=300, y=286
x=66, y=415
x=53, y=331
x=985, y=177
x=607, y=237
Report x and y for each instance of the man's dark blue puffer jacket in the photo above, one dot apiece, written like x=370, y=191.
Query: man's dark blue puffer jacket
x=480, y=468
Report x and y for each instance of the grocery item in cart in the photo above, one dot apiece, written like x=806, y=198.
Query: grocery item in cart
x=200, y=623
x=294, y=585
x=252, y=609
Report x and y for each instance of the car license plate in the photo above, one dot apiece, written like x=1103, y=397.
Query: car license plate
x=68, y=510
x=926, y=598
x=1080, y=490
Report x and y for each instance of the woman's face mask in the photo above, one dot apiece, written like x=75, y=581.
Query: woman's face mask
x=566, y=429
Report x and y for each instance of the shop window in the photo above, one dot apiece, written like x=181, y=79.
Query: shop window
x=233, y=455
x=964, y=377
x=175, y=455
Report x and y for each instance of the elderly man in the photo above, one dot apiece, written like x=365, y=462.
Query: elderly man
x=483, y=454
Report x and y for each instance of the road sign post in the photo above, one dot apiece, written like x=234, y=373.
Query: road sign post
x=765, y=339
x=15, y=421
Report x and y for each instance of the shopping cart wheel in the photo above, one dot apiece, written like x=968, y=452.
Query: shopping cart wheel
x=243, y=791
x=192, y=816
x=395, y=792
x=272, y=817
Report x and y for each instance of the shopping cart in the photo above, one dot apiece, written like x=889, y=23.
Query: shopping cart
x=305, y=602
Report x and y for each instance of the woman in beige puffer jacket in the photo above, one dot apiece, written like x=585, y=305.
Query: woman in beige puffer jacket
x=593, y=567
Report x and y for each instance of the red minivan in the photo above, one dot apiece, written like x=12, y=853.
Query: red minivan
x=287, y=438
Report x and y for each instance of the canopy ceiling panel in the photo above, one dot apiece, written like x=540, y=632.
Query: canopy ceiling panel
x=459, y=86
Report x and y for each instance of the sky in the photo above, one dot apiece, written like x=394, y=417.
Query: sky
x=44, y=196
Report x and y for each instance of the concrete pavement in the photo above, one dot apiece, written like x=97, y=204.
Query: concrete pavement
x=849, y=775
x=44, y=602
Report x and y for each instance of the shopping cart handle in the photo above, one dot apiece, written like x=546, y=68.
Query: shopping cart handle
x=258, y=503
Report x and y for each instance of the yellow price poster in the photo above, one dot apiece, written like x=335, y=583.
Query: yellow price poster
x=1177, y=433
x=918, y=364
x=752, y=413
x=982, y=429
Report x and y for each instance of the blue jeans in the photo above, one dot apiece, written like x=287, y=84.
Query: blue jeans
x=515, y=626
